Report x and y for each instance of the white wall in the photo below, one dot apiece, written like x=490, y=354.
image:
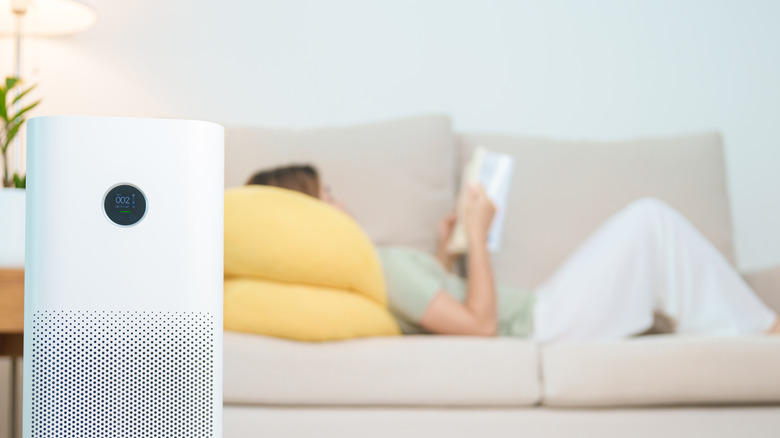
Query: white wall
x=598, y=69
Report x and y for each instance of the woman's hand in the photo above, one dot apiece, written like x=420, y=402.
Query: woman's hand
x=444, y=233
x=444, y=229
x=478, y=213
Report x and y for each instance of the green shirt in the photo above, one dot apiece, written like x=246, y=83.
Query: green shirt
x=414, y=277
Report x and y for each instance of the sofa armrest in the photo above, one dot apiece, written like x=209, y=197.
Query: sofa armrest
x=766, y=284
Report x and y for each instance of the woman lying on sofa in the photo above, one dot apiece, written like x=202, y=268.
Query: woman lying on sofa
x=646, y=258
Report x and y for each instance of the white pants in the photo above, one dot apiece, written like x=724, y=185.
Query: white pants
x=646, y=258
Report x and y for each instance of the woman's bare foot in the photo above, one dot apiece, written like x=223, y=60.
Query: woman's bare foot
x=775, y=330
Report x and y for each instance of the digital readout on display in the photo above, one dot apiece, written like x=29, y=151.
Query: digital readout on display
x=125, y=205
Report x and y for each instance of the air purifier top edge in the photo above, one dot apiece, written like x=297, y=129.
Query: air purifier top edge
x=108, y=118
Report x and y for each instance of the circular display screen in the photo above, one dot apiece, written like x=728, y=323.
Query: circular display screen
x=125, y=205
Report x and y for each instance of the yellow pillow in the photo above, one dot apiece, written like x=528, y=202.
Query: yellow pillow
x=279, y=234
x=302, y=313
x=298, y=268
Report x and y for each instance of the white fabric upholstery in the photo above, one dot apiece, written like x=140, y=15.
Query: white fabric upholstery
x=562, y=190
x=302, y=422
x=409, y=371
x=662, y=370
x=396, y=177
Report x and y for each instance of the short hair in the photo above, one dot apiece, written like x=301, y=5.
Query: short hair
x=301, y=178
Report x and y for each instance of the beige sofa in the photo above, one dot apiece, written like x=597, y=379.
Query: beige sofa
x=399, y=178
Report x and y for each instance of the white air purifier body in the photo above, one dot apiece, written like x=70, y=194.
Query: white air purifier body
x=123, y=278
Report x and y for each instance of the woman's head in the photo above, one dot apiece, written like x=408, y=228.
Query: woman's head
x=301, y=178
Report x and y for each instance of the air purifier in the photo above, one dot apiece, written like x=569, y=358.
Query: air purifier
x=123, y=278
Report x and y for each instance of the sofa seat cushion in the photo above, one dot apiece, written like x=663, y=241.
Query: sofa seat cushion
x=662, y=370
x=405, y=371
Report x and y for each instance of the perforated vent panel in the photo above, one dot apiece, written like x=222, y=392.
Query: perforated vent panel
x=122, y=374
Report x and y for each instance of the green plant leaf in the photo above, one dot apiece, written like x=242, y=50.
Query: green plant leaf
x=22, y=111
x=22, y=94
x=13, y=129
x=3, y=107
x=10, y=82
x=20, y=182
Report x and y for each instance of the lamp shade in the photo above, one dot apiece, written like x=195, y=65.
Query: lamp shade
x=46, y=17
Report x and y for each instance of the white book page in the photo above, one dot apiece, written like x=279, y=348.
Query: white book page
x=496, y=176
x=493, y=171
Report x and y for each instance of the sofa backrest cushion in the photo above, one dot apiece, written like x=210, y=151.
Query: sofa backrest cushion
x=563, y=190
x=396, y=177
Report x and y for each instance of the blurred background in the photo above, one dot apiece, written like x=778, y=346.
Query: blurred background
x=569, y=69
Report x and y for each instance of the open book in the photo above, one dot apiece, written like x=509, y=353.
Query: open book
x=494, y=171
